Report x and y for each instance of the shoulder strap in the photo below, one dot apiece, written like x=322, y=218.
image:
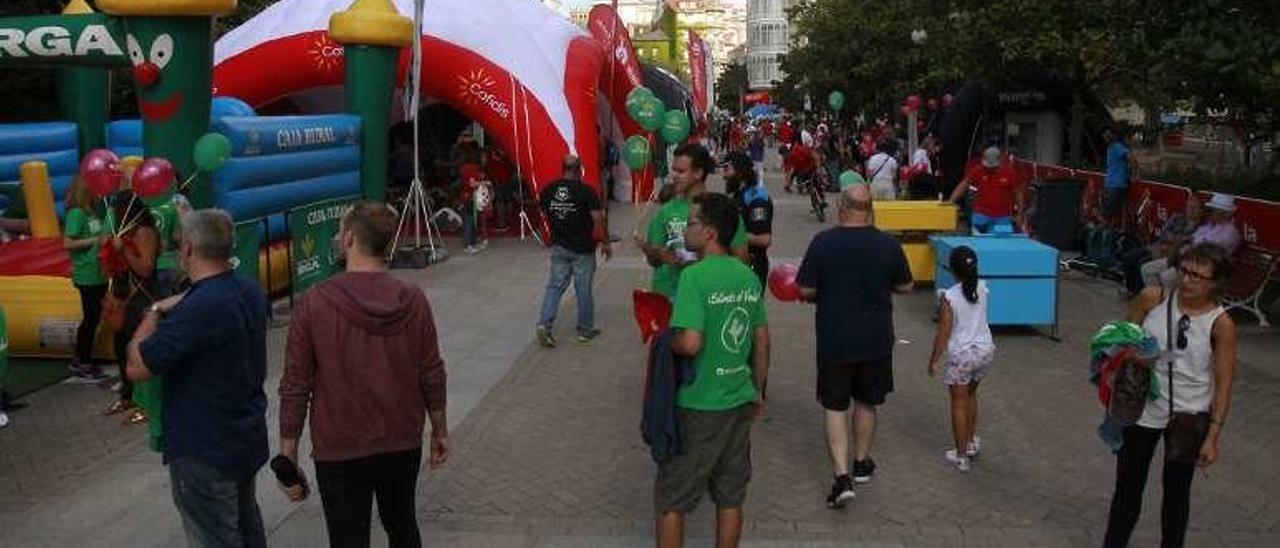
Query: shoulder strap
x=1168, y=343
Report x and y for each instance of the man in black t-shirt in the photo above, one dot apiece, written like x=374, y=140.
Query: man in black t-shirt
x=752, y=199
x=577, y=229
x=851, y=272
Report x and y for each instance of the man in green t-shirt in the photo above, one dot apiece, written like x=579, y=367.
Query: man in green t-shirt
x=664, y=244
x=720, y=321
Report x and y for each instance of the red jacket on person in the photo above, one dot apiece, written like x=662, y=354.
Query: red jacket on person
x=363, y=356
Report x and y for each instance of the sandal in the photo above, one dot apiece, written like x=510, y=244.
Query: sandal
x=118, y=406
x=136, y=417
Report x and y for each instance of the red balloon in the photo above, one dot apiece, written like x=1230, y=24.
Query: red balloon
x=913, y=102
x=153, y=178
x=101, y=172
x=947, y=100
x=782, y=282
x=932, y=104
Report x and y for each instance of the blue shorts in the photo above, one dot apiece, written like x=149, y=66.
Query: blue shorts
x=983, y=224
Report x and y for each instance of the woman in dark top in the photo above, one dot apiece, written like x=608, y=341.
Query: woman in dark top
x=138, y=242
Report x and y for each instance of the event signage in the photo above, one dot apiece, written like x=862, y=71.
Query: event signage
x=312, y=257
x=248, y=244
x=83, y=39
x=698, y=76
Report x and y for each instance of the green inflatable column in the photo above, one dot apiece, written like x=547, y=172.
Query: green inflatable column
x=372, y=33
x=84, y=93
x=170, y=46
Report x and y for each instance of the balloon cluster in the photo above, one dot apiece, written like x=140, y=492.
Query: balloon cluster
x=153, y=178
x=672, y=126
x=914, y=102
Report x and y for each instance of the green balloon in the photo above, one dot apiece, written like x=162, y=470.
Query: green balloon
x=636, y=152
x=850, y=178
x=836, y=100
x=648, y=113
x=675, y=126
x=212, y=151
x=638, y=95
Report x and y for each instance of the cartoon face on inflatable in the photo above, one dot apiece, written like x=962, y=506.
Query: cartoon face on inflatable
x=157, y=74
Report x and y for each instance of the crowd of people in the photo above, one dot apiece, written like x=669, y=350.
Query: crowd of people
x=181, y=314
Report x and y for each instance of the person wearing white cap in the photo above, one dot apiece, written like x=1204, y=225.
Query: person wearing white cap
x=1000, y=192
x=1218, y=228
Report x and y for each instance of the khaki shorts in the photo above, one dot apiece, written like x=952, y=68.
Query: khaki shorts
x=717, y=459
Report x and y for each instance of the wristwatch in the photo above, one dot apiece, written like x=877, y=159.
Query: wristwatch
x=155, y=309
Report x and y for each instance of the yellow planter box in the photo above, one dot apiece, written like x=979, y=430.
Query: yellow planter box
x=925, y=215
x=43, y=313
x=920, y=258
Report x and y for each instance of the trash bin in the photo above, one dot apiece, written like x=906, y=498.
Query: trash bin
x=1056, y=219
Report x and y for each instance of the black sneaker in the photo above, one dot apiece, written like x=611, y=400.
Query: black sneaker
x=863, y=470
x=841, y=492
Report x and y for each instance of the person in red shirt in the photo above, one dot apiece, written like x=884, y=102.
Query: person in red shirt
x=785, y=134
x=1000, y=195
x=799, y=165
x=502, y=173
x=473, y=233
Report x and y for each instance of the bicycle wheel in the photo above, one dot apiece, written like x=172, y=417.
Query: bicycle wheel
x=818, y=204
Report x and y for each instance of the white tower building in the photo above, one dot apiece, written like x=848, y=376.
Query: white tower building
x=767, y=41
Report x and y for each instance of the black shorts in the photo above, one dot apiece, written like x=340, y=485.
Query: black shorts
x=865, y=382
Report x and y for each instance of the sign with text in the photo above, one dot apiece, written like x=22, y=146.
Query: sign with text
x=311, y=231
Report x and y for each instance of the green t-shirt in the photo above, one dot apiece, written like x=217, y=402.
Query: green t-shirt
x=84, y=262
x=166, y=217
x=721, y=298
x=666, y=230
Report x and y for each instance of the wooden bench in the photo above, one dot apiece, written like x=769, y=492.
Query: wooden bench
x=1251, y=269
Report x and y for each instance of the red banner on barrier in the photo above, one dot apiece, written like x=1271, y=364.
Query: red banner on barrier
x=1150, y=204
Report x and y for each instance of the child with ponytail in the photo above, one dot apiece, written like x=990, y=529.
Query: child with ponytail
x=964, y=340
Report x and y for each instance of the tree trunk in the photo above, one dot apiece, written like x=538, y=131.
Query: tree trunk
x=1076, y=132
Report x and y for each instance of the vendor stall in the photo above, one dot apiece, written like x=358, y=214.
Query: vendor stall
x=912, y=222
x=1021, y=273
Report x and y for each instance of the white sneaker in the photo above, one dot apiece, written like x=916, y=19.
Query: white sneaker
x=471, y=250
x=975, y=447
x=484, y=244
x=962, y=463
x=4, y=419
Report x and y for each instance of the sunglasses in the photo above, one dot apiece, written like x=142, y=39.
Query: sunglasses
x=1184, y=324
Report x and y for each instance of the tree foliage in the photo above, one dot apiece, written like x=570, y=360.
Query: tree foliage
x=1166, y=54
x=731, y=86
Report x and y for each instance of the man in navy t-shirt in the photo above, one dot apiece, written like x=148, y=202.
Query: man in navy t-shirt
x=851, y=272
x=210, y=347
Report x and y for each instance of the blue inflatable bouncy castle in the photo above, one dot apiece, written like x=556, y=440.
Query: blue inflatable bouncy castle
x=54, y=143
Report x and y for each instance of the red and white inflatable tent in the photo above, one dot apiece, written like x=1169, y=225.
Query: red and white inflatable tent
x=522, y=71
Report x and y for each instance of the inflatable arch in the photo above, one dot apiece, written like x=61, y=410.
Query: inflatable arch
x=527, y=75
x=620, y=75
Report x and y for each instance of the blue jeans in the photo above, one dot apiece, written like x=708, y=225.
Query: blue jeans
x=218, y=510
x=983, y=224
x=566, y=265
x=469, y=229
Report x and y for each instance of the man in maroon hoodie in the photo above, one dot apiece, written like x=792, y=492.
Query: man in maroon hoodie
x=363, y=356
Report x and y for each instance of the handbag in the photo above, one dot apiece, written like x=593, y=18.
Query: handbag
x=113, y=309
x=1186, y=432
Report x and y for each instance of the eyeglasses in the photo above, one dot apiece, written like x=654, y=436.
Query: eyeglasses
x=1193, y=275
x=1184, y=324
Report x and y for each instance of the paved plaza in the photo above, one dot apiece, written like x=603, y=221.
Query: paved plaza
x=546, y=449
